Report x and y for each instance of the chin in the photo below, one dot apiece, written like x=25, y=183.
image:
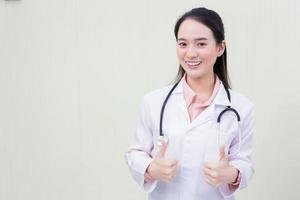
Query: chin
x=194, y=74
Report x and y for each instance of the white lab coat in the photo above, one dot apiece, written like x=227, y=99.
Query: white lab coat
x=191, y=143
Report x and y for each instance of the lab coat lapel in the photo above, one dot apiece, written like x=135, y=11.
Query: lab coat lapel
x=209, y=113
x=221, y=97
x=180, y=101
x=204, y=117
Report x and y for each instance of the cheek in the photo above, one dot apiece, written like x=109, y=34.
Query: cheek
x=180, y=53
x=209, y=55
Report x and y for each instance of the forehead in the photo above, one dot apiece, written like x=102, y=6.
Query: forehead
x=191, y=29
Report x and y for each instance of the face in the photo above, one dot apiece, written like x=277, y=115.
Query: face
x=197, y=50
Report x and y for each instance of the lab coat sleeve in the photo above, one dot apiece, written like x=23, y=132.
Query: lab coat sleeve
x=242, y=160
x=138, y=156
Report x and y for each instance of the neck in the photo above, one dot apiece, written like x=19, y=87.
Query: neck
x=203, y=86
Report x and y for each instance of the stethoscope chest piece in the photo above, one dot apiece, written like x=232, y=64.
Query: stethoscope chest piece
x=162, y=139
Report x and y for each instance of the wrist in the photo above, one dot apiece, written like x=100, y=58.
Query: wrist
x=147, y=169
x=232, y=174
x=237, y=178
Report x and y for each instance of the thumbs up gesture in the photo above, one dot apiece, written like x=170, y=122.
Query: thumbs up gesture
x=161, y=168
x=219, y=173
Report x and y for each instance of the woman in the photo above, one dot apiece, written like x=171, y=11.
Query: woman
x=199, y=159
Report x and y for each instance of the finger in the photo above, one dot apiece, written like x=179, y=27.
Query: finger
x=162, y=151
x=148, y=176
x=170, y=170
x=171, y=163
x=212, y=182
x=223, y=155
x=206, y=171
x=174, y=167
x=174, y=171
x=166, y=178
x=173, y=175
x=170, y=177
x=209, y=181
x=170, y=173
x=210, y=165
x=210, y=173
x=149, y=179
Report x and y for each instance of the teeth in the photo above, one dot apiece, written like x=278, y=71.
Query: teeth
x=193, y=63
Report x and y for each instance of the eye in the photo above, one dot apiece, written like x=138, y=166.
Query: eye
x=182, y=44
x=201, y=44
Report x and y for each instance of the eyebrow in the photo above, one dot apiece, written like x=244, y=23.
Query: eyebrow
x=197, y=39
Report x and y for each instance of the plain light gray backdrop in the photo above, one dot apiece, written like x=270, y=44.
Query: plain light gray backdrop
x=73, y=74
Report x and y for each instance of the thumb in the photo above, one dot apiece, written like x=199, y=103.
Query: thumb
x=223, y=155
x=162, y=151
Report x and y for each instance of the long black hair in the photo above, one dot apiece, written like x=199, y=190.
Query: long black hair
x=214, y=22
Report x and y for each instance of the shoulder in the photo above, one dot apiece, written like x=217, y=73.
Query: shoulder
x=242, y=103
x=152, y=103
x=153, y=100
x=239, y=99
x=157, y=95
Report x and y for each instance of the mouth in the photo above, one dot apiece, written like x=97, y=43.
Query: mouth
x=193, y=64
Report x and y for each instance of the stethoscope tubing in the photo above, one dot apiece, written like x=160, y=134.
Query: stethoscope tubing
x=163, y=138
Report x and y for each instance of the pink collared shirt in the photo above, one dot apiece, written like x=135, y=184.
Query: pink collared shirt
x=194, y=103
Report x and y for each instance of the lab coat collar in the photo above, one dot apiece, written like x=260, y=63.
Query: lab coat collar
x=220, y=99
x=179, y=88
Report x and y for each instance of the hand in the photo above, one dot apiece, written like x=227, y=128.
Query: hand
x=161, y=168
x=147, y=177
x=219, y=173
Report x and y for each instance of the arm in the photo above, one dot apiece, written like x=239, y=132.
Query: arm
x=138, y=155
x=242, y=160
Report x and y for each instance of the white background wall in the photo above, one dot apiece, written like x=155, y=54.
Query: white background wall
x=73, y=74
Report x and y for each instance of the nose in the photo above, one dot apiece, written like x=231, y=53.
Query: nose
x=191, y=52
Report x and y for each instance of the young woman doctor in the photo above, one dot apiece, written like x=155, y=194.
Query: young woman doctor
x=198, y=158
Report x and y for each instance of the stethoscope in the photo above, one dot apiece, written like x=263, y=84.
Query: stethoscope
x=163, y=138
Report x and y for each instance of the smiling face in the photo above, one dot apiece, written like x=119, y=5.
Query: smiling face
x=197, y=49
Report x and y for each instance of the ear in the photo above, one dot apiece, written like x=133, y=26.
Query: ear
x=221, y=48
